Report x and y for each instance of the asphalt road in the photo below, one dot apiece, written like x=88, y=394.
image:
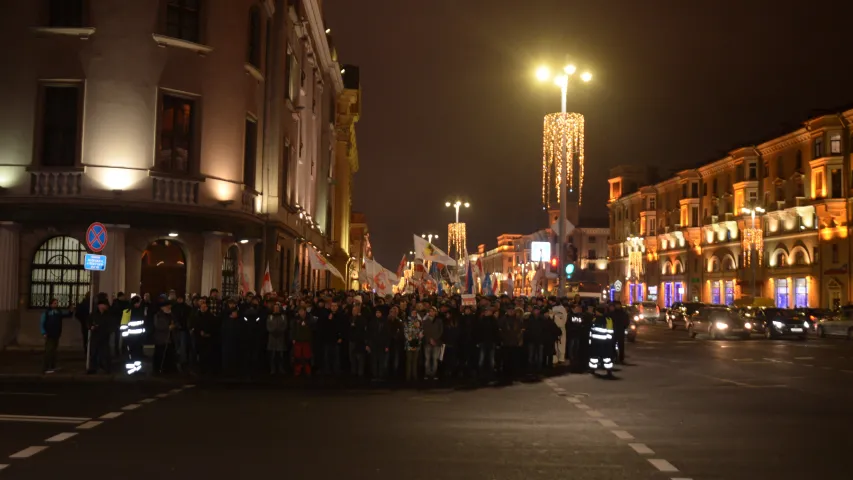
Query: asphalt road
x=685, y=409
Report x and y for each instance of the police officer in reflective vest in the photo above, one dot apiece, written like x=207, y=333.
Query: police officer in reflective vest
x=601, y=343
x=133, y=335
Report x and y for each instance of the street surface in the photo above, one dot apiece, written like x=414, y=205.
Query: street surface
x=682, y=409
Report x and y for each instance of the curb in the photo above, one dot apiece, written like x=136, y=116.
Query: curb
x=83, y=378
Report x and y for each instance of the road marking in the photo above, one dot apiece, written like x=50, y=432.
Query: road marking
x=662, y=465
x=162, y=395
x=148, y=400
x=189, y=386
x=742, y=359
x=808, y=365
x=175, y=390
x=608, y=423
x=582, y=406
x=847, y=371
x=89, y=425
x=61, y=437
x=132, y=406
x=803, y=358
x=641, y=448
x=2, y=466
x=29, y=394
x=594, y=413
x=41, y=419
x=686, y=341
x=622, y=434
x=573, y=400
x=111, y=415
x=27, y=452
x=680, y=478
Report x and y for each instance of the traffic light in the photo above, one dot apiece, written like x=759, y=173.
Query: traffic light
x=570, y=269
x=553, y=264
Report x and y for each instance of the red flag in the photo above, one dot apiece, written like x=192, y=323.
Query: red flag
x=401, y=267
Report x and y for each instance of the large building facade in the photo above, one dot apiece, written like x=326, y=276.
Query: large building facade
x=211, y=137
x=693, y=236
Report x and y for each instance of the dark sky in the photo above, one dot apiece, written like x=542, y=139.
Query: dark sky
x=451, y=106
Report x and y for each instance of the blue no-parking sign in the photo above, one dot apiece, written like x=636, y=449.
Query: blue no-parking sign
x=96, y=237
x=97, y=263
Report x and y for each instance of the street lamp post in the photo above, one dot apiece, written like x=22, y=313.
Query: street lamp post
x=457, y=205
x=429, y=236
x=752, y=212
x=562, y=81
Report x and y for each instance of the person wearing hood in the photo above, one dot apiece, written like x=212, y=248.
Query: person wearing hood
x=51, y=330
x=277, y=326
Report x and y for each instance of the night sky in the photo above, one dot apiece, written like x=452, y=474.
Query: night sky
x=451, y=106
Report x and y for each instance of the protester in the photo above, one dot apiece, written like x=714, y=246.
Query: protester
x=51, y=330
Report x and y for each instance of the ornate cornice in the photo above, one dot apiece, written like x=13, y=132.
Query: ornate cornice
x=716, y=167
x=784, y=142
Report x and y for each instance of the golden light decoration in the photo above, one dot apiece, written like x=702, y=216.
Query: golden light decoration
x=457, y=240
x=557, y=127
x=635, y=263
x=753, y=237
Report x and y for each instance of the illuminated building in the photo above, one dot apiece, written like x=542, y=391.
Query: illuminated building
x=695, y=227
x=211, y=140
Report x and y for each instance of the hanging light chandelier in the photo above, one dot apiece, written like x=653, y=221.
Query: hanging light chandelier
x=559, y=126
x=753, y=238
x=457, y=240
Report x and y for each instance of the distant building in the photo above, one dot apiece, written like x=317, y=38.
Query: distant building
x=687, y=238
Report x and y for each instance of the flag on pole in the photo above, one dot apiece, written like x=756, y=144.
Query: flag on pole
x=266, y=284
x=294, y=285
x=401, y=267
x=510, y=286
x=487, y=286
x=427, y=251
x=469, y=279
x=319, y=263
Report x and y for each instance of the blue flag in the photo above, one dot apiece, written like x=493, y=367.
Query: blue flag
x=469, y=281
x=487, y=286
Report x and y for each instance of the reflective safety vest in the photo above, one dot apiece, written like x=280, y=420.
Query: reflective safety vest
x=131, y=328
x=602, y=333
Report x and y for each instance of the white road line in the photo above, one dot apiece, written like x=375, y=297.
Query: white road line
x=132, y=406
x=608, y=423
x=803, y=358
x=42, y=419
x=148, y=400
x=742, y=359
x=61, y=437
x=573, y=400
x=89, y=425
x=662, y=465
x=175, y=390
x=2, y=466
x=622, y=434
x=111, y=415
x=162, y=395
x=594, y=413
x=686, y=341
x=641, y=448
x=27, y=452
x=582, y=406
x=189, y=386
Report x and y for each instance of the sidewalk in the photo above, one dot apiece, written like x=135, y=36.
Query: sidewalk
x=26, y=364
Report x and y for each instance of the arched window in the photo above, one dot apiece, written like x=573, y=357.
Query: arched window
x=781, y=261
x=799, y=258
x=254, y=52
x=57, y=272
x=231, y=272
x=729, y=264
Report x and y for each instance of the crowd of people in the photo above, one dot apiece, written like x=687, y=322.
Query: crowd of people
x=332, y=333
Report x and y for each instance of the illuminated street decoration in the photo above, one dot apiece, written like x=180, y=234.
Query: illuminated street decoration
x=636, y=250
x=457, y=240
x=753, y=238
x=557, y=127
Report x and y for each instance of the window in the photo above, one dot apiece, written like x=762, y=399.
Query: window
x=801, y=293
x=684, y=190
x=835, y=182
x=60, y=129
x=652, y=203
x=254, y=53
x=591, y=255
x=752, y=198
x=780, y=167
x=834, y=253
x=835, y=144
x=800, y=188
x=176, y=140
x=818, y=184
x=65, y=13
x=694, y=217
x=250, y=153
x=230, y=272
x=780, y=193
x=694, y=190
x=57, y=272
x=591, y=240
x=799, y=161
x=182, y=20
x=714, y=187
x=293, y=78
x=739, y=173
x=753, y=171
x=818, y=147
x=284, y=193
x=799, y=258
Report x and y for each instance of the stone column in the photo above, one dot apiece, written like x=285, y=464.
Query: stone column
x=114, y=278
x=211, y=268
x=10, y=259
x=247, y=257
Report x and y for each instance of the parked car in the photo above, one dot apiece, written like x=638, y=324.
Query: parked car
x=840, y=325
x=814, y=315
x=678, y=313
x=648, y=312
x=719, y=322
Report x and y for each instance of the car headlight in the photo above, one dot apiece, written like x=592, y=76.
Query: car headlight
x=747, y=326
x=641, y=315
x=779, y=325
x=636, y=317
x=633, y=327
x=805, y=324
x=721, y=325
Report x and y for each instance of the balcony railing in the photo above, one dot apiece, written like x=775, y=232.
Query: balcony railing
x=56, y=184
x=173, y=190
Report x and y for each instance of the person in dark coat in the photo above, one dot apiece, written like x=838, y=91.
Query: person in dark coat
x=164, y=324
x=534, y=330
x=231, y=339
x=397, y=338
x=302, y=336
x=378, y=344
x=329, y=331
x=451, y=338
x=100, y=324
x=486, y=338
x=551, y=334
x=511, y=328
x=468, y=344
x=620, y=323
x=181, y=334
x=277, y=327
x=81, y=313
x=204, y=326
x=253, y=334
x=51, y=330
x=357, y=334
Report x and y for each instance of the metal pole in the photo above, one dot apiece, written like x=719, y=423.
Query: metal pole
x=91, y=309
x=561, y=281
x=753, y=257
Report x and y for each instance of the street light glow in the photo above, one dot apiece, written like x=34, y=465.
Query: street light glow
x=570, y=69
x=586, y=76
x=446, y=204
x=467, y=204
x=543, y=73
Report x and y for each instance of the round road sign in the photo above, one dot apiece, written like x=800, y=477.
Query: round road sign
x=96, y=237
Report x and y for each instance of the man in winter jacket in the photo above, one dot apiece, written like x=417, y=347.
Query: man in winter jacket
x=329, y=330
x=378, y=344
x=277, y=326
x=51, y=330
x=511, y=328
x=413, y=333
x=357, y=334
x=100, y=324
x=164, y=324
x=534, y=338
x=433, y=330
x=302, y=334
